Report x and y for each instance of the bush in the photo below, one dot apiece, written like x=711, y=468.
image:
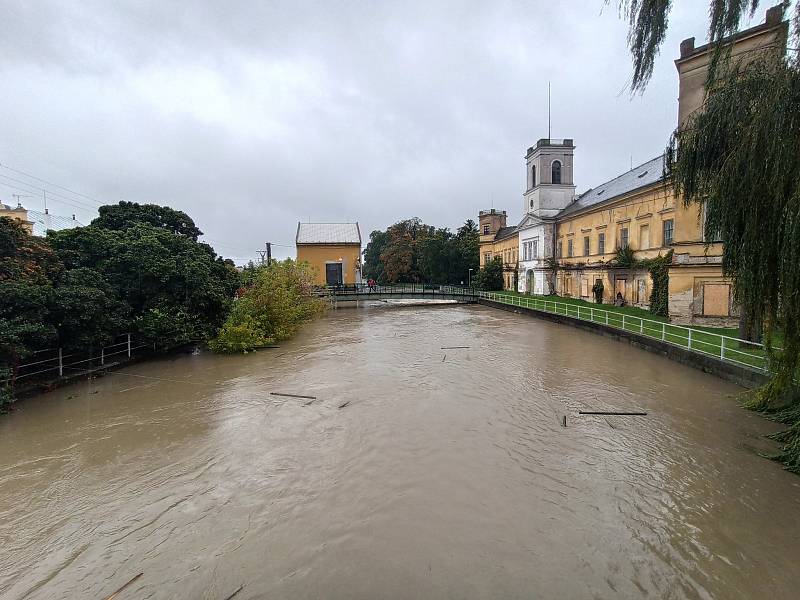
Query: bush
x=272, y=309
x=490, y=277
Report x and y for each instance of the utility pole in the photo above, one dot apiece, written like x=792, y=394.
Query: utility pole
x=262, y=254
x=269, y=253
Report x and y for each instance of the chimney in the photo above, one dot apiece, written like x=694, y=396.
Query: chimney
x=46, y=211
x=73, y=217
x=687, y=47
x=775, y=14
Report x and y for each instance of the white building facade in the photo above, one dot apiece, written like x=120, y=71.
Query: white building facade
x=550, y=189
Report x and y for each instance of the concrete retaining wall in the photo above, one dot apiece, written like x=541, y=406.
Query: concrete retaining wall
x=741, y=375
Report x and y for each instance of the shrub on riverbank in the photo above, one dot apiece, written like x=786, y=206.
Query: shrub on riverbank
x=271, y=309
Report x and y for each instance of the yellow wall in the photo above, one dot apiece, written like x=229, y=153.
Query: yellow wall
x=694, y=264
x=317, y=255
x=508, y=250
x=21, y=215
x=648, y=208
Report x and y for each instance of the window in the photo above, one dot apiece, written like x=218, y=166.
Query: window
x=644, y=237
x=668, y=230
x=569, y=247
x=586, y=246
x=559, y=250
x=535, y=249
x=526, y=251
x=601, y=243
x=485, y=230
x=556, y=172
x=487, y=257
x=533, y=176
x=623, y=237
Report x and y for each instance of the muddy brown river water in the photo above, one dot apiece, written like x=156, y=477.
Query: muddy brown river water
x=448, y=474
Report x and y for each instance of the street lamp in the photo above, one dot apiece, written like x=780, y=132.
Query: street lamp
x=469, y=275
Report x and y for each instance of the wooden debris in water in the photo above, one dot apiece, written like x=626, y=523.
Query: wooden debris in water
x=454, y=347
x=345, y=404
x=309, y=402
x=239, y=589
x=445, y=356
x=613, y=413
x=564, y=421
x=114, y=595
x=292, y=395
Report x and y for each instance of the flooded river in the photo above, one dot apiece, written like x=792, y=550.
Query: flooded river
x=448, y=475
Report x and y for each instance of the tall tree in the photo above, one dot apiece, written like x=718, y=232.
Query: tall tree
x=127, y=214
x=740, y=158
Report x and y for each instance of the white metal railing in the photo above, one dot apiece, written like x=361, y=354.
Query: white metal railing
x=726, y=348
x=58, y=361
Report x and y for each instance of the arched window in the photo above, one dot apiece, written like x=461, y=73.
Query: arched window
x=556, y=172
x=533, y=176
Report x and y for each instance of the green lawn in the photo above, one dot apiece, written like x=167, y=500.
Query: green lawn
x=707, y=340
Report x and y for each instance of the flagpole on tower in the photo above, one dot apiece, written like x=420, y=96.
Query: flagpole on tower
x=548, y=111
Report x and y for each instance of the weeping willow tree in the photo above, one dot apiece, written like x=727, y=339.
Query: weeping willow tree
x=740, y=158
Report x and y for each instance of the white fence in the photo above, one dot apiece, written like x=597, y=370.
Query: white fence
x=52, y=363
x=726, y=348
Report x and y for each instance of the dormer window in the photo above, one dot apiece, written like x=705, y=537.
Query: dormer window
x=556, y=178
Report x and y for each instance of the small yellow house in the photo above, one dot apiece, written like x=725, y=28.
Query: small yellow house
x=333, y=249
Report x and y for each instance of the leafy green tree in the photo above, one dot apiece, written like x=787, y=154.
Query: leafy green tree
x=177, y=289
x=85, y=311
x=279, y=300
x=27, y=267
x=490, y=277
x=373, y=267
x=739, y=158
x=412, y=252
x=117, y=217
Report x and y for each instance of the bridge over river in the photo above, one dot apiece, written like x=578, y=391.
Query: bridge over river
x=397, y=453
x=411, y=291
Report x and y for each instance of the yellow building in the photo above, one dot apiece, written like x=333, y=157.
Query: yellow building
x=333, y=249
x=638, y=210
x=17, y=214
x=496, y=239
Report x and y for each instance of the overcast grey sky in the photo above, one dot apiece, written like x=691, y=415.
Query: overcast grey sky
x=251, y=116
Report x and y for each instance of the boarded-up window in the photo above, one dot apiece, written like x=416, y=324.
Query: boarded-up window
x=716, y=299
x=584, y=287
x=644, y=237
x=642, y=285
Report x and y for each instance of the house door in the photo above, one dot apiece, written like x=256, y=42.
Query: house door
x=333, y=274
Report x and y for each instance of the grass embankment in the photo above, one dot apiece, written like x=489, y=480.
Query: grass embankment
x=708, y=340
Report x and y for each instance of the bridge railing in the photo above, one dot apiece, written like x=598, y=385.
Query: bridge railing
x=726, y=348
x=416, y=289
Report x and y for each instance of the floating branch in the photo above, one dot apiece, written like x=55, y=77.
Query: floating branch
x=239, y=589
x=114, y=595
x=345, y=404
x=454, y=347
x=608, y=412
x=445, y=356
x=309, y=402
x=292, y=395
x=564, y=421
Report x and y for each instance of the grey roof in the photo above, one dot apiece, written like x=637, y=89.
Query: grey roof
x=328, y=233
x=642, y=176
x=505, y=232
x=42, y=222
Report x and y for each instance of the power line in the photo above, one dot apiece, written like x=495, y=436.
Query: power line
x=61, y=187
x=31, y=187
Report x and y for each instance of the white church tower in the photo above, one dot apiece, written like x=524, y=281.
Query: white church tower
x=550, y=189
